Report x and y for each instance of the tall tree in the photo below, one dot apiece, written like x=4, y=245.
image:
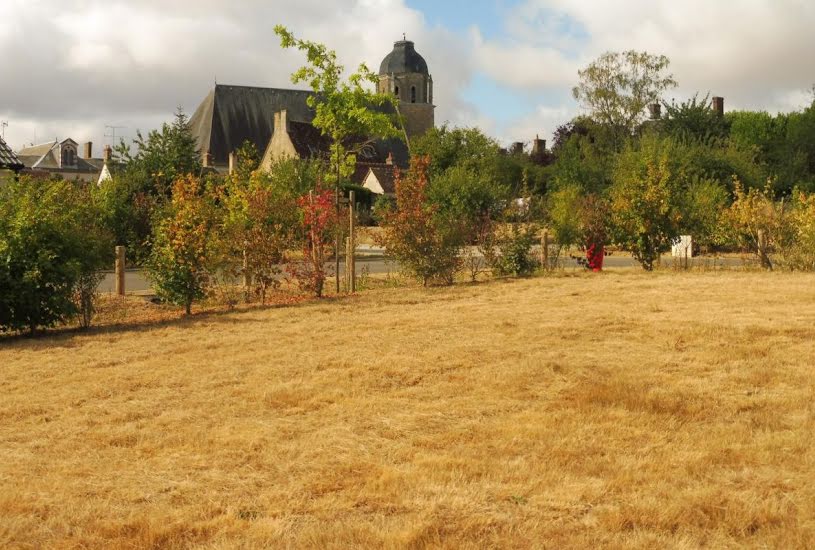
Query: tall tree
x=163, y=156
x=617, y=87
x=345, y=110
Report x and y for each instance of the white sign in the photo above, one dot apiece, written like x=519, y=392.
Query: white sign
x=683, y=247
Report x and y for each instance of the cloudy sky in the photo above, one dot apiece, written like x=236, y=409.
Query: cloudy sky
x=69, y=68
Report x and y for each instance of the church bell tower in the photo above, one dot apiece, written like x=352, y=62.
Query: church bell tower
x=404, y=74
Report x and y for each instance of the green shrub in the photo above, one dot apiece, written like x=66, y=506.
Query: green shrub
x=51, y=247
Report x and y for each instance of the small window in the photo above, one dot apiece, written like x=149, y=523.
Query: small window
x=396, y=91
x=413, y=94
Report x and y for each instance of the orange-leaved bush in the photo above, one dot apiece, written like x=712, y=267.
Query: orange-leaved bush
x=318, y=224
x=424, y=242
x=180, y=263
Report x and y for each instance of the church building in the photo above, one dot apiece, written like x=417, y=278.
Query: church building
x=231, y=115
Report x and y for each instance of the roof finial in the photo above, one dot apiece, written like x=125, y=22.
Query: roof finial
x=404, y=37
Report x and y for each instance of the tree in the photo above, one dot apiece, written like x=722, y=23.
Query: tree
x=163, y=157
x=51, y=249
x=260, y=222
x=424, y=243
x=318, y=223
x=181, y=261
x=617, y=87
x=755, y=221
x=694, y=121
x=646, y=202
x=345, y=111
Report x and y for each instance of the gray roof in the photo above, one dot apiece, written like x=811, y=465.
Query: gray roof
x=46, y=157
x=8, y=160
x=403, y=59
x=231, y=115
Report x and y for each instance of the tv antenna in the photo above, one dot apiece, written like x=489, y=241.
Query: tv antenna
x=112, y=134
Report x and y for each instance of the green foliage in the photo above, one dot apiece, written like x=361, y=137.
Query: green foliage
x=468, y=196
x=796, y=241
x=617, y=87
x=260, y=222
x=584, y=161
x=563, y=215
x=351, y=115
x=163, y=157
x=127, y=212
x=51, y=247
x=646, y=200
x=694, y=121
x=425, y=243
x=783, y=144
x=513, y=251
x=755, y=221
x=184, y=244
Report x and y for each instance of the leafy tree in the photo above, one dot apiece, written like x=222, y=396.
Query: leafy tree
x=260, y=223
x=181, y=261
x=163, y=157
x=424, y=242
x=646, y=200
x=617, y=87
x=465, y=148
x=755, y=221
x=351, y=115
x=694, y=121
x=796, y=241
x=318, y=224
x=51, y=248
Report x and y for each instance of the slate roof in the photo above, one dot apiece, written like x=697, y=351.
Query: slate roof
x=46, y=157
x=230, y=115
x=8, y=160
x=308, y=141
x=403, y=59
x=385, y=175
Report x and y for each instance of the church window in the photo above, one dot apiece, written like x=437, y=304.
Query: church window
x=413, y=94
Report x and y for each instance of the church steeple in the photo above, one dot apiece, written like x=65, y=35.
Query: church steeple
x=404, y=73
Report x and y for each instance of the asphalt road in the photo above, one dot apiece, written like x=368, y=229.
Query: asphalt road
x=136, y=281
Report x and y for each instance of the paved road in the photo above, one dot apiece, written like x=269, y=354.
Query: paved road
x=372, y=260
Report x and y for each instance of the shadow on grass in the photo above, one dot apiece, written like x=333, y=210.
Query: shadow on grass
x=64, y=336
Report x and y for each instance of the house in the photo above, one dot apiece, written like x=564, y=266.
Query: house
x=293, y=139
x=8, y=160
x=380, y=180
x=61, y=158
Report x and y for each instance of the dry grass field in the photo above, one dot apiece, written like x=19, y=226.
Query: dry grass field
x=618, y=410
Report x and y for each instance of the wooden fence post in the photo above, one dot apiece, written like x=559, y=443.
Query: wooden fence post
x=352, y=268
x=120, y=270
x=545, y=250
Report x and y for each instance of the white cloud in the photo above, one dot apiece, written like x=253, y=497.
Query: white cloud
x=72, y=66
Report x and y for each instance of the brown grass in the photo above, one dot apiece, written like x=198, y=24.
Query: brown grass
x=595, y=411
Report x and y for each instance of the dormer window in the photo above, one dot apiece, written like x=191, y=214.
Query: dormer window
x=413, y=94
x=68, y=156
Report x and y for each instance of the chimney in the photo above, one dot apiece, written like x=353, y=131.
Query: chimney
x=208, y=159
x=389, y=160
x=89, y=150
x=517, y=148
x=284, y=120
x=233, y=161
x=656, y=111
x=107, y=153
x=538, y=146
x=718, y=105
